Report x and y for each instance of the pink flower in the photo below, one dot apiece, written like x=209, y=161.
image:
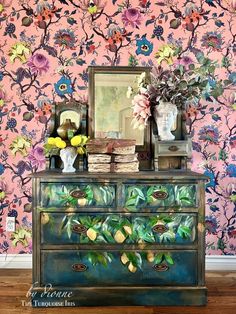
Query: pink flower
x=37, y=157
x=4, y=189
x=6, y=3
x=38, y=63
x=4, y=97
x=141, y=108
x=184, y=61
x=131, y=17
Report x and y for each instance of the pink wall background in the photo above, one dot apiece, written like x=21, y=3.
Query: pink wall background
x=45, y=49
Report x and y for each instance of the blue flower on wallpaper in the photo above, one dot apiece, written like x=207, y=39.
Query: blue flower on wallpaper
x=144, y=46
x=2, y=169
x=231, y=170
x=232, y=77
x=212, y=182
x=209, y=133
x=63, y=86
x=211, y=224
x=1, y=75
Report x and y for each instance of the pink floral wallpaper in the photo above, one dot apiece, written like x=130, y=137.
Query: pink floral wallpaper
x=45, y=49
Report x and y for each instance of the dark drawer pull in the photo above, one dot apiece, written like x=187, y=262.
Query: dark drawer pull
x=79, y=229
x=160, y=195
x=160, y=267
x=159, y=228
x=173, y=148
x=79, y=267
x=78, y=194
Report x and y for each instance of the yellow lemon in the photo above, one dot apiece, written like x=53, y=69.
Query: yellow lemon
x=124, y=259
x=132, y=268
x=150, y=257
x=51, y=141
x=82, y=201
x=91, y=234
x=119, y=237
x=44, y=218
x=76, y=140
x=128, y=229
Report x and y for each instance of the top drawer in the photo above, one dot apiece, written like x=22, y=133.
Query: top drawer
x=138, y=197
x=77, y=194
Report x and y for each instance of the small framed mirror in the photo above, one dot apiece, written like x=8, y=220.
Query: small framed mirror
x=110, y=111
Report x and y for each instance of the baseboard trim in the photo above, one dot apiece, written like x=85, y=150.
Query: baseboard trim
x=221, y=262
x=16, y=261
x=213, y=262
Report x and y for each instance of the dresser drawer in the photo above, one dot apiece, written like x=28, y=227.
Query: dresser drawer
x=118, y=268
x=141, y=197
x=78, y=195
x=176, y=148
x=72, y=228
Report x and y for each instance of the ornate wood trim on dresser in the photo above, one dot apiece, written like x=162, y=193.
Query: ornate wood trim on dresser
x=118, y=239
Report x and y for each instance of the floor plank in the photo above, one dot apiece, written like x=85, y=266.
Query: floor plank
x=15, y=283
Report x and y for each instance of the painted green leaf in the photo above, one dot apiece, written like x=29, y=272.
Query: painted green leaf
x=184, y=231
x=169, y=259
x=168, y=236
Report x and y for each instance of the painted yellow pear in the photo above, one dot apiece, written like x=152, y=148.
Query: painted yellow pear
x=150, y=257
x=82, y=201
x=44, y=218
x=132, y=268
x=124, y=259
x=91, y=234
x=128, y=229
x=70, y=211
x=119, y=237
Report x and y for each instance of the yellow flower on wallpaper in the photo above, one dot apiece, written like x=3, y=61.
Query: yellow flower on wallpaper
x=19, y=51
x=20, y=145
x=165, y=53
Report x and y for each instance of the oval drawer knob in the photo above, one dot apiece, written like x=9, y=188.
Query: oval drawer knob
x=160, y=267
x=79, y=267
x=173, y=148
x=78, y=194
x=160, y=195
x=78, y=228
x=159, y=228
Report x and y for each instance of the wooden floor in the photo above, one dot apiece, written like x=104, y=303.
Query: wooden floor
x=14, y=284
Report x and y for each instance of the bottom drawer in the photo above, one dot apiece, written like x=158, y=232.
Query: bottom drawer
x=118, y=268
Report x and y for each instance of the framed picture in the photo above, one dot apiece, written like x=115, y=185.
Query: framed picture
x=110, y=111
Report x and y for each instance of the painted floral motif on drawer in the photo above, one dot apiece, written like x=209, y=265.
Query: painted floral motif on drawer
x=113, y=228
x=77, y=195
x=160, y=196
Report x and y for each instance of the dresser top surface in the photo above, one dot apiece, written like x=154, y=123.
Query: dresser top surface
x=148, y=175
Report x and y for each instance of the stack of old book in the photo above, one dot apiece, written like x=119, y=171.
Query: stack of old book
x=112, y=155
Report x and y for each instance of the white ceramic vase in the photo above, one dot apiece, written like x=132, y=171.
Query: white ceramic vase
x=68, y=156
x=165, y=115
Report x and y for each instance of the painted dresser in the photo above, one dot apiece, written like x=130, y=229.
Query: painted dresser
x=118, y=239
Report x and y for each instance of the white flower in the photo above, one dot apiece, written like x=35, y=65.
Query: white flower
x=141, y=78
x=129, y=92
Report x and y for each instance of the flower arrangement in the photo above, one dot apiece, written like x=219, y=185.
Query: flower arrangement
x=55, y=144
x=181, y=83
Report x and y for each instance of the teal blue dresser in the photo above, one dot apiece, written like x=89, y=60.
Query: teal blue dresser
x=118, y=239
